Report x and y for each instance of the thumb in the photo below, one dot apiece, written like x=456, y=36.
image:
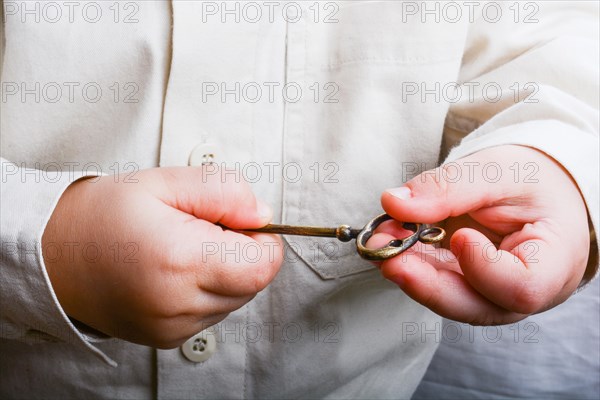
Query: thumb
x=447, y=191
x=214, y=195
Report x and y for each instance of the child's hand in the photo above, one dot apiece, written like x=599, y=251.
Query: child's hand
x=145, y=261
x=519, y=246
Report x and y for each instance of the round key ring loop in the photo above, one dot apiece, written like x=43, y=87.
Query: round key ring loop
x=396, y=246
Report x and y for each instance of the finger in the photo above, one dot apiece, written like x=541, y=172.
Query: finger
x=186, y=301
x=377, y=241
x=234, y=264
x=445, y=292
x=208, y=303
x=439, y=258
x=393, y=228
x=447, y=191
x=207, y=322
x=527, y=278
x=174, y=332
x=214, y=195
x=452, y=225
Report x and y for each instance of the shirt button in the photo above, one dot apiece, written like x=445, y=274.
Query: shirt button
x=204, y=153
x=200, y=347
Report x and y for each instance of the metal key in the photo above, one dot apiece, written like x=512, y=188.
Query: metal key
x=345, y=233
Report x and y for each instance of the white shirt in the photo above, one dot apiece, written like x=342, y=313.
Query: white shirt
x=365, y=96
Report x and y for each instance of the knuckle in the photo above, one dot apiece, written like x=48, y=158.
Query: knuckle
x=264, y=276
x=168, y=296
x=433, y=180
x=168, y=343
x=480, y=320
x=163, y=306
x=443, y=184
x=253, y=270
x=271, y=265
x=528, y=299
x=233, y=176
x=160, y=335
x=430, y=301
x=171, y=261
x=169, y=333
x=502, y=317
x=238, y=279
x=432, y=298
x=260, y=275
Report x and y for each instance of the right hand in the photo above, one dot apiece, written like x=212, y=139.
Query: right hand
x=145, y=261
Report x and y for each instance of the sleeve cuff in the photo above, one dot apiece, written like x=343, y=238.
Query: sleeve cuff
x=30, y=309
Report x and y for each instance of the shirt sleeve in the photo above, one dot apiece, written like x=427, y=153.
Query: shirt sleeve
x=530, y=77
x=30, y=310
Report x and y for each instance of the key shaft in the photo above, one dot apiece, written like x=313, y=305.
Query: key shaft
x=343, y=232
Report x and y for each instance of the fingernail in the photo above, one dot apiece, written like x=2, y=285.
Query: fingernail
x=402, y=193
x=264, y=210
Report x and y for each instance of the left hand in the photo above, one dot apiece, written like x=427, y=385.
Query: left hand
x=518, y=246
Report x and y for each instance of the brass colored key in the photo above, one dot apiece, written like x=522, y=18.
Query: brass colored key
x=345, y=233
